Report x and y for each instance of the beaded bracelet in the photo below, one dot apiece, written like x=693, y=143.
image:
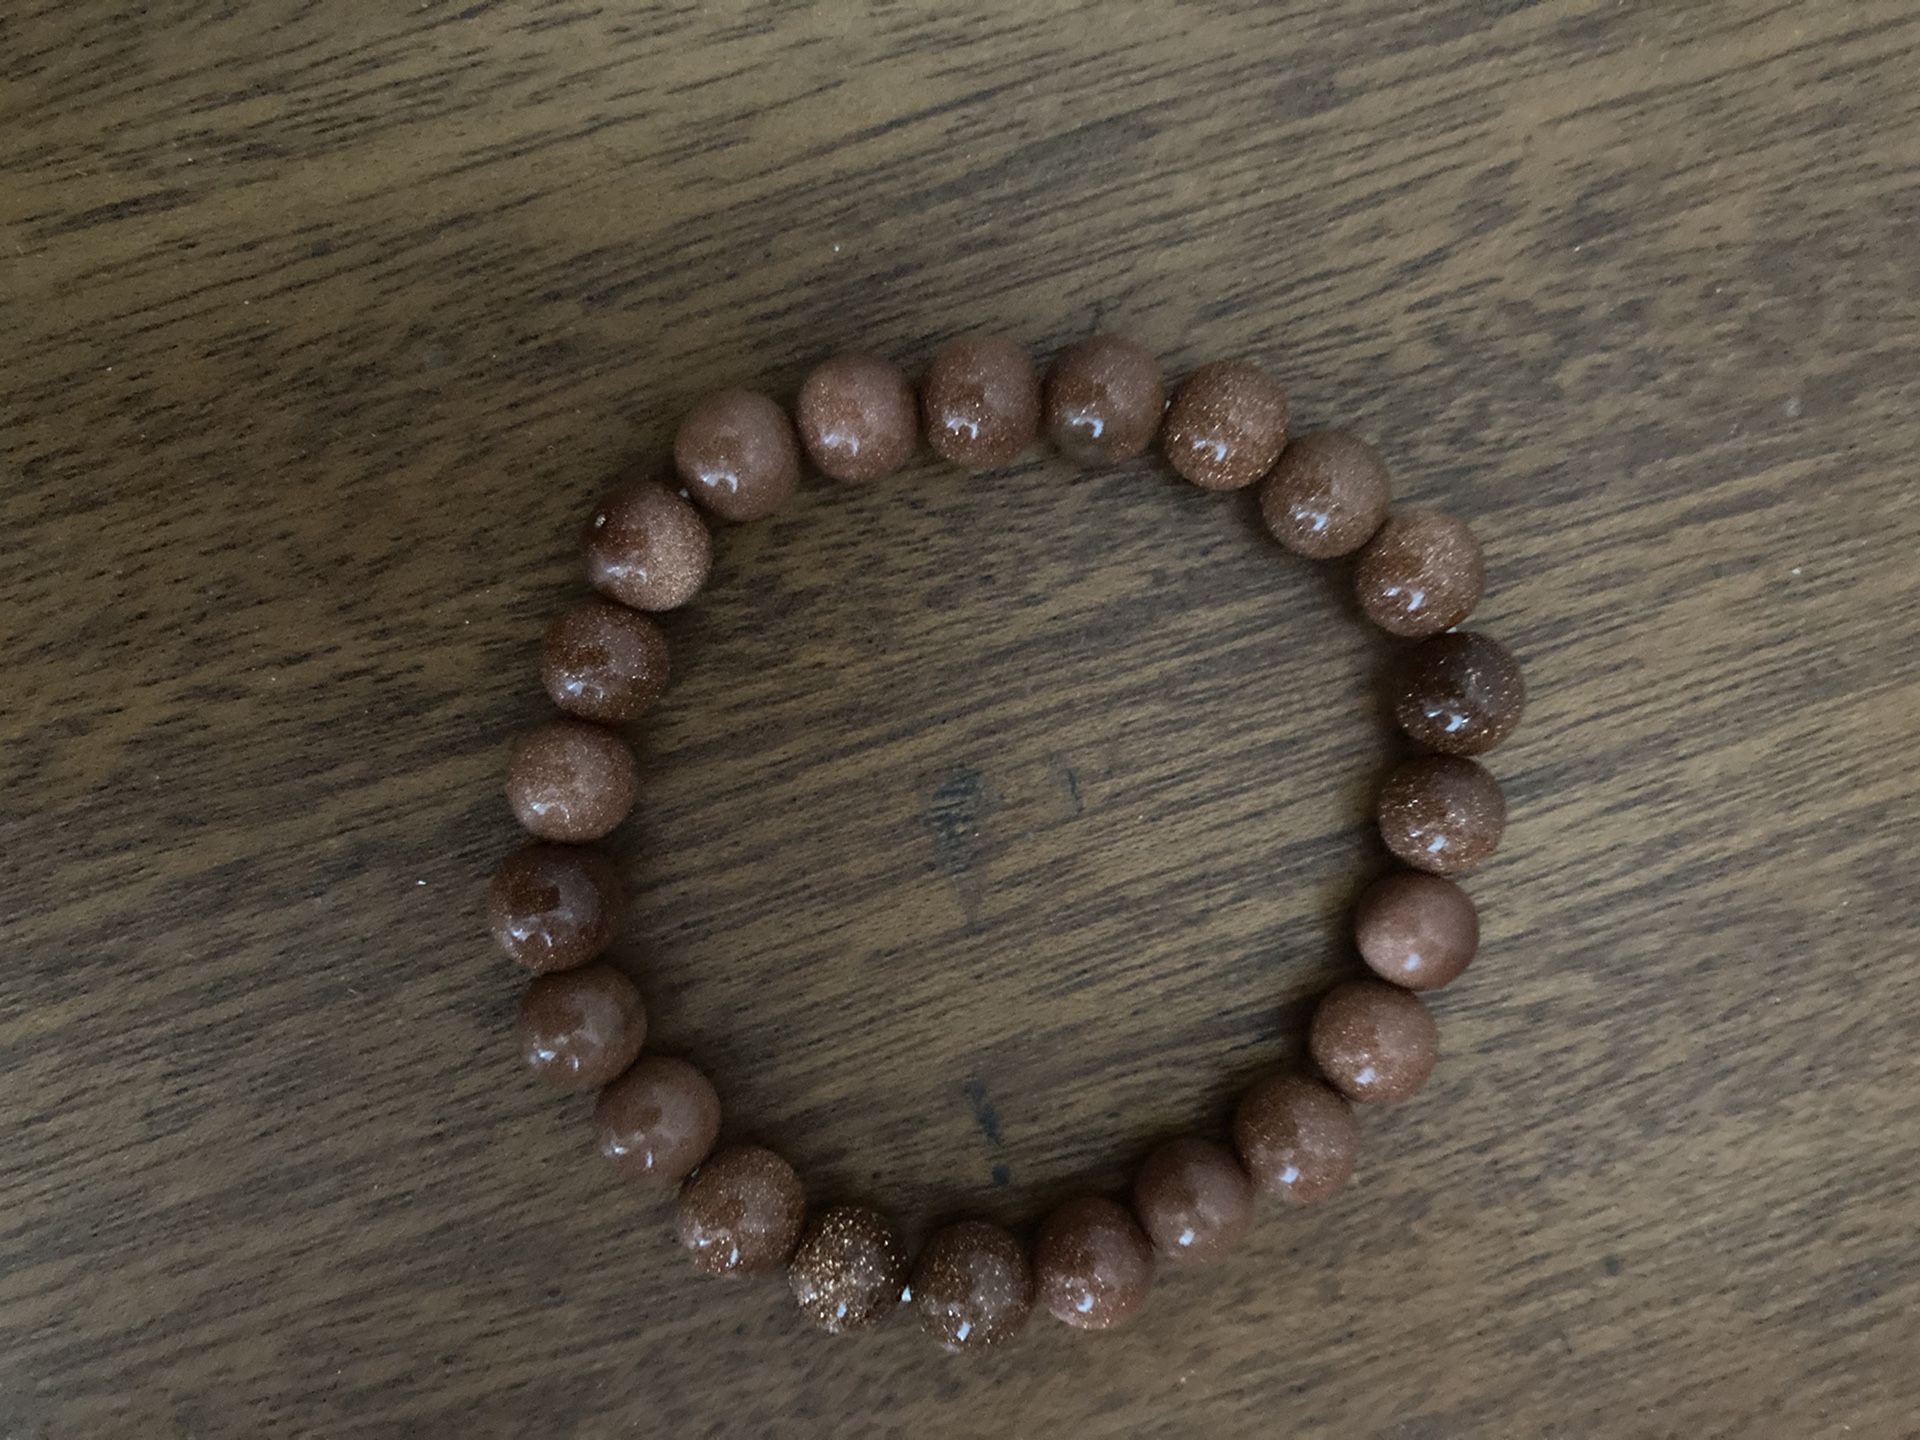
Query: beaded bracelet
x=555, y=907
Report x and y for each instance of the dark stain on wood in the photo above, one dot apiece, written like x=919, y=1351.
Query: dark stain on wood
x=955, y=814
x=984, y=1115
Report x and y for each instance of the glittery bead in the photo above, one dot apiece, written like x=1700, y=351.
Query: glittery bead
x=1458, y=693
x=658, y=1121
x=602, y=661
x=646, y=547
x=737, y=455
x=1421, y=574
x=1226, y=426
x=568, y=780
x=849, y=1270
x=972, y=1286
x=1416, y=931
x=1373, y=1041
x=1193, y=1199
x=857, y=417
x=552, y=906
x=581, y=1027
x=1103, y=400
x=1327, y=495
x=741, y=1212
x=1296, y=1137
x=1441, y=814
x=1092, y=1264
x=980, y=400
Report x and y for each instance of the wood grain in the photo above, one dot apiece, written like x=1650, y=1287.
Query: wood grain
x=995, y=826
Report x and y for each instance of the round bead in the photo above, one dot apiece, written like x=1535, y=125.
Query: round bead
x=737, y=455
x=553, y=906
x=1103, y=400
x=1374, y=1042
x=849, y=1270
x=658, y=1121
x=971, y=1285
x=568, y=780
x=604, y=662
x=1193, y=1199
x=1226, y=425
x=580, y=1028
x=1327, y=495
x=1441, y=814
x=742, y=1211
x=1416, y=931
x=1459, y=693
x=1092, y=1264
x=981, y=401
x=1296, y=1137
x=858, y=418
x=1422, y=573
x=646, y=547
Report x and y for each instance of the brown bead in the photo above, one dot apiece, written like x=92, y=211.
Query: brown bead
x=1226, y=425
x=742, y=1211
x=1422, y=573
x=1459, y=693
x=1103, y=400
x=972, y=1286
x=1441, y=814
x=849, y=1270
x=580, y=1028
x=1373, y=1041
x=858, y=418
x=1327, y=495
x=981, y=401
x=646, y=547
x=658, y=1121
x=602, y=661
x=1296, y=1137
x=737, y=455
x=1092, y=1264
x=553, y=906
x=1416, y=931
x=568, y=780
x=1193, y=1199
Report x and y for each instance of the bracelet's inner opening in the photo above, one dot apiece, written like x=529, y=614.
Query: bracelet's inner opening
x=970, y=872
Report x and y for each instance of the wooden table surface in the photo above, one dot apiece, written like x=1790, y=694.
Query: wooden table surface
x=996, y=826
